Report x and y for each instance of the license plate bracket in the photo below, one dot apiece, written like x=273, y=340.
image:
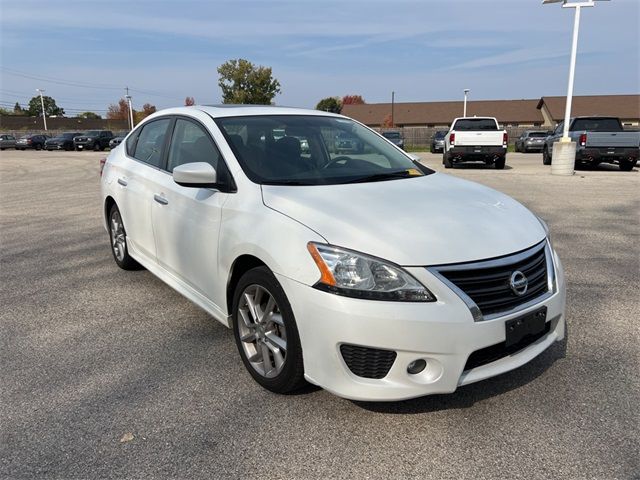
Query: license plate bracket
x=531, y=324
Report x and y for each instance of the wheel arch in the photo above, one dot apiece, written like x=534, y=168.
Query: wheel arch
x=108, y=203
x=239, y=267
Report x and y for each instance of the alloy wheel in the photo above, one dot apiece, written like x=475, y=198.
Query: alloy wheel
x=118, y=238
x=262, y=332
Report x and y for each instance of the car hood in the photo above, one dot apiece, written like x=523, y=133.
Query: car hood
x=431, y=220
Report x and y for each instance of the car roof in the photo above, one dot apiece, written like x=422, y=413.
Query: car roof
x=218, y=111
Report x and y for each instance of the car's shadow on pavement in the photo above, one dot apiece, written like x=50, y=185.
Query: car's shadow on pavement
x=467, y=396
x=478, y=166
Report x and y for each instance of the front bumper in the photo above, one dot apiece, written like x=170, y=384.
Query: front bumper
x=85, y=144
x=443, y=333
x=56, y=146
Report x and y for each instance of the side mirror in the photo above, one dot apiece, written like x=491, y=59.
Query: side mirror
x=196, y=175
x=414, y=157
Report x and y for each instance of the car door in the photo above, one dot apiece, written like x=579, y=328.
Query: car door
x=186, y=220
x=139, y=177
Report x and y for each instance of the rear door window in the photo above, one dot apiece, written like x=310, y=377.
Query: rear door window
x=150, y=144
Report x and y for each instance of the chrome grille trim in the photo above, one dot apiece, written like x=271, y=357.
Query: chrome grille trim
x=475, y=310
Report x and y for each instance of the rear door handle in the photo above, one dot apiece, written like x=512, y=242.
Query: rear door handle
x=161, y=200
x=122, y=182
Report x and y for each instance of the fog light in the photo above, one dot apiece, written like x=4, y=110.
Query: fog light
x=416, y=366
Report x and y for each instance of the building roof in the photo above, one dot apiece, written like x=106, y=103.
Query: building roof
x=622, y=106
x=443, y=113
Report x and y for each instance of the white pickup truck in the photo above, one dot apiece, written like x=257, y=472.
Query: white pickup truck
x=475, y=139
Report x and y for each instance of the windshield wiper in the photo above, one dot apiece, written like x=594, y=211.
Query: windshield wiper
x=379, y=177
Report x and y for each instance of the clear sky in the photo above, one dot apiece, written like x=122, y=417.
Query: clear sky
x=424, y=50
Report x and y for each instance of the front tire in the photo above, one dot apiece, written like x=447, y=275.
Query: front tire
x=446, y=161
x=626, y=165
x=118, y=237
x=266, y=333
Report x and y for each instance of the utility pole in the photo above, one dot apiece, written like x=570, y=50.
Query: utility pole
x=128, y=97
x=44, y=115
x=464, y=111
x=393, y=97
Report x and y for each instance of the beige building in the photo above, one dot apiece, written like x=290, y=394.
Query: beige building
x=544, y=112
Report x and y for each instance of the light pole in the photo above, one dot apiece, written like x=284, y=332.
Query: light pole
x=564, y=151
x=464, y=111
x=44, y=115
x=128, y=97
x=393, y=97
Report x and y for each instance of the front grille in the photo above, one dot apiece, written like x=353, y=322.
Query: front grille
x=498, y=351
x=488, y=283
x=367, y=362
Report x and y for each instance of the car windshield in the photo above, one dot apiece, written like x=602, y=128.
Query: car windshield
x=270, y=151
x=440, y=135
x=391, y=134
x=68, y=135
x=537, y=134
x=469, y=124
x=92, y=133
x=597, y=125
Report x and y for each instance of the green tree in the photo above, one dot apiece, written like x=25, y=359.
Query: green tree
x=243, y=82
x=50, y=108
x=18, y=110
x=88, y=115
x=329, y=104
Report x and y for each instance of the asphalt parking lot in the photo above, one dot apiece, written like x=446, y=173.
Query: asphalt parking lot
x=90, y=354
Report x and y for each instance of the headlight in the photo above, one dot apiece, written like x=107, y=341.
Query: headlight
x=353, y=274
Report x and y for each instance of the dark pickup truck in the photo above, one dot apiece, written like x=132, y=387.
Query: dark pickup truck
x=93, y=139
x=598, y=140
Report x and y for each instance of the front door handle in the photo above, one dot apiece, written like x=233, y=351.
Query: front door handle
x=161, y=200
x=122, y=182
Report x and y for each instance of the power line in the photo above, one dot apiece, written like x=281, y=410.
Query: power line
x=68, y=83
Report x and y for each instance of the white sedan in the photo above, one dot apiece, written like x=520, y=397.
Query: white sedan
x=367, y=274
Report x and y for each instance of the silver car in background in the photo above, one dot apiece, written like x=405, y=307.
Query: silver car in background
x=531, y=141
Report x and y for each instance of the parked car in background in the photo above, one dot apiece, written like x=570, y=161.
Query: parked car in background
x=31, y=141
x=437, y=142
x=475, y=139
x=117, y=139
x=7, y=141
x=394, y=137
x=347, y=143
x=64, y=141
x=531, y=141
x=93, y=140
x=321, y=264
x=598, y=140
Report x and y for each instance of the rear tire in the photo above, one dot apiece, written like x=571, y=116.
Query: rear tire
x=446, y=161
x=38, y=147
x=500, y=162
x=118, y=237
x=626, y=165
x=266, y=333
x=546, y=158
